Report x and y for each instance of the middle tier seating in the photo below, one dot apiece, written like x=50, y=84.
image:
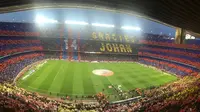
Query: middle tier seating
x=10, y=45
x=176, y=58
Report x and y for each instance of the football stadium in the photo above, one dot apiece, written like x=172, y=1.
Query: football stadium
x=96, y=60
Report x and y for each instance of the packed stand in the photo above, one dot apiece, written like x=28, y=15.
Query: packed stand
x=11, y=45
x=108, y=57
x=184, y=52
x=180, y=96
x=169, y=44
x=52, y=54
x=53, y=44
x=16, y=99
x=11, y=66
x=195, y=63
x=178, y=54
x=171, y=67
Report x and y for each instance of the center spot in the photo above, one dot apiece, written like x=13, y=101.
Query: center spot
x=103, y=72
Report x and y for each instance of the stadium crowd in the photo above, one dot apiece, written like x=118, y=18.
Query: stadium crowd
x=174, y=68
x=178, y=59
x=11, y=45
x=52, y=43
x=180, y=96
x=169, y=44
x=10, y=67
x=108, y=57
x=184, y=52
x=16, y=99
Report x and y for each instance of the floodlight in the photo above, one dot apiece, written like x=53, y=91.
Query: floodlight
x=52, y=21
x=102, y=25
x=76, y=22
x=42, y=19
x=131, y=28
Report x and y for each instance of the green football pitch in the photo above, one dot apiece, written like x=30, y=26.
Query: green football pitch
x=61, y=78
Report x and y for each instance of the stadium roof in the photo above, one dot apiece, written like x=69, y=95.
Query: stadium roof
x=179, y=13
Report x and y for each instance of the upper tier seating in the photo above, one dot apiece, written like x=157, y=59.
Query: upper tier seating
x=166, y=44
x=53, y=43
x=175, y=52
x=10, y=45
x=168, y=66
x=180, y=59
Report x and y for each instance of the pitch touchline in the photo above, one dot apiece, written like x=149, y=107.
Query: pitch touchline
x=57, y=92
x=27, y=75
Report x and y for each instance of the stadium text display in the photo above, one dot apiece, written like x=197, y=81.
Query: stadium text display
x=112, y=37
x=108, y=47
x=112, y=47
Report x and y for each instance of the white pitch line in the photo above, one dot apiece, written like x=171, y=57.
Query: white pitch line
x=58, y=72
x=33, y=90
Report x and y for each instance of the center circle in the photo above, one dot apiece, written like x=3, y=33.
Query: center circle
x=103, y=72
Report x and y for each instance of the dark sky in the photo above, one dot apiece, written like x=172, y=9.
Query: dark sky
x=90, y=16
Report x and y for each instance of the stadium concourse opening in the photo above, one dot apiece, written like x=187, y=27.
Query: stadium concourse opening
x=96, y=60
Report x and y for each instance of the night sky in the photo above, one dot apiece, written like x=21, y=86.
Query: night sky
x=90, y=16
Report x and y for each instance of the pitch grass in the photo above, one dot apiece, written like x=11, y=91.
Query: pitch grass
x=61, y=78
